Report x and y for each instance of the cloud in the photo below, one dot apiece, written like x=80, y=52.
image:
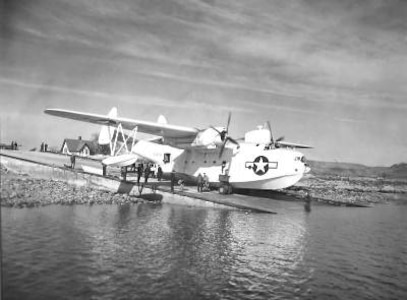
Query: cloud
x=52, y=88
x=147, y=101
x=341, y=60
x=346, y=120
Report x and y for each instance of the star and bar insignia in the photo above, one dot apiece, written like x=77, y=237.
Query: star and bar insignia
x=261, y=165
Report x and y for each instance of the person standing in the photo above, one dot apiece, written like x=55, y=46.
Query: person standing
x=73, y=160
x=159, y=173
x=45, y=147
x=42, y=147
x=206, y=181
x=307, y=204
x=124, y=173
x=139, y=172
x=147, y=173
x=223, y=166
x=200, y=182
x=172, y=181
x=181, y=184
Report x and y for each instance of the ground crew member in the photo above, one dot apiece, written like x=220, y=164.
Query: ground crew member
x=172, y=180
x=139, y=172
x=159, y=173
x=181, y=184
x=124, y=173
x=200, y=182
x=73, y=159
x=206, y=181
x=147, y=173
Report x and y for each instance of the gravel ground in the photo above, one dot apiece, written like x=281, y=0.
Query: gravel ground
x=19, y=190
x=348, y=190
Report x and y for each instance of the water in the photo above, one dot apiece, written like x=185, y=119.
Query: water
x=150, y=251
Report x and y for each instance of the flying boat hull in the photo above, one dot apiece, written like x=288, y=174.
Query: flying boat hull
x=270, y=183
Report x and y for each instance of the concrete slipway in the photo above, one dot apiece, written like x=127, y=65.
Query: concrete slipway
x=52, y=166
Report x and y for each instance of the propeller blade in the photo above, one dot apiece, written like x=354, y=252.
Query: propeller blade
x=227, y=126
x=222, y=148
x=281, y=138
x=228, y=139
x=271, y=132
x=233, y=141
x=214, y=128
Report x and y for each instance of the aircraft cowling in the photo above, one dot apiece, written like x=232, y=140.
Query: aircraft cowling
x=258, y=136
x=208, y=137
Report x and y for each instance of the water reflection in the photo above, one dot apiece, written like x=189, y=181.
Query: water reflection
x=200, y=250
x=161, y=251
x=272, y=248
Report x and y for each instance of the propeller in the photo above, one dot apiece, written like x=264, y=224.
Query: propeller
x=224, y=135
x=274, y=143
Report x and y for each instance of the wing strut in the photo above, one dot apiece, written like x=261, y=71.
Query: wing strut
x=114, y=145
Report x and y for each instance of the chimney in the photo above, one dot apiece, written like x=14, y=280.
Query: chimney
x=79, y=138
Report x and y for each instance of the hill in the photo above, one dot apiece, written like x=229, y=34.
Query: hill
x=320, y=168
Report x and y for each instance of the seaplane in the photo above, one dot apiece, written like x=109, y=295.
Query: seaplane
x=257, y=161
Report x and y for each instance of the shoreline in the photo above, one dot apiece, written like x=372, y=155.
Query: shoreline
x=22, y=190
x=348, y=190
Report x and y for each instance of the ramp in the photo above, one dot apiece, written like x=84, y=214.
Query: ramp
x=90, y=171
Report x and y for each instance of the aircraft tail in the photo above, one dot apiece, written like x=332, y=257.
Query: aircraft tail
x=107, y=132
x=162, y=120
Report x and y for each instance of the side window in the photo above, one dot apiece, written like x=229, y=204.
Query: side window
x=167, y=158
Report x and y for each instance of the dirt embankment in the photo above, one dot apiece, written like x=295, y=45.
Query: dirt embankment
x=19, y=190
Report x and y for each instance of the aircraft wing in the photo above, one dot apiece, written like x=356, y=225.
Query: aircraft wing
x=164, y=130
x=293, y=145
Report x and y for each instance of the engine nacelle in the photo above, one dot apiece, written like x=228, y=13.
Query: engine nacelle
x=209, y=137
x=258, y=136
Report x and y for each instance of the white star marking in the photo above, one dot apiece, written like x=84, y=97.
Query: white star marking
x=260, y=165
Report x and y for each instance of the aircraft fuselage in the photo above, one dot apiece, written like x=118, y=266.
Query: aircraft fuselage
x=251, y=166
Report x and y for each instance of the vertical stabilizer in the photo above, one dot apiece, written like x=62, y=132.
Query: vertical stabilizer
x=107, y=132
x=162, y=120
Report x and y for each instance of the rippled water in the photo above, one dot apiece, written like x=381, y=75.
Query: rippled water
x=147, y=251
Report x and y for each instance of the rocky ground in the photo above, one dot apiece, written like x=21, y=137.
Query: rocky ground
x=19, y=190
x=349, y=190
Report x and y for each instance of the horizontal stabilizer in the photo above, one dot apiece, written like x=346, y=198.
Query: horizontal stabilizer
x=293, y=145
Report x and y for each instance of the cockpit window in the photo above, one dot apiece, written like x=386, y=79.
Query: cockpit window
x=303, y=159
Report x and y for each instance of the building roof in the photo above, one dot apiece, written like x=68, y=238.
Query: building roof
x=77, y=145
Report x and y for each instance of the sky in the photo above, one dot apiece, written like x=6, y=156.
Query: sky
x=327, y=73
